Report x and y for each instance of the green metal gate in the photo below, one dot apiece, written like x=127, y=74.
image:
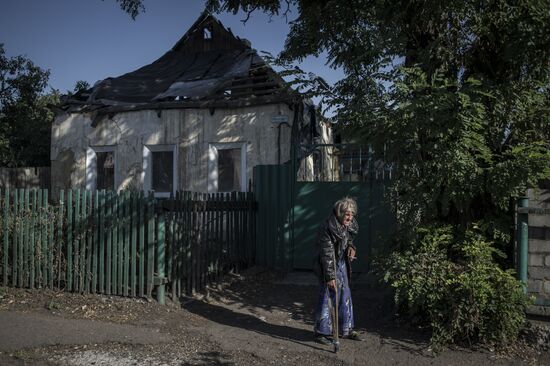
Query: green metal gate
x=292, y=205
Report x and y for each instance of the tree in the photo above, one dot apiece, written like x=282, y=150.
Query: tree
x=25, y=119
x=456, y=95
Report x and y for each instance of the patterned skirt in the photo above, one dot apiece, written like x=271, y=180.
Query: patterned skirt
x=323, y=318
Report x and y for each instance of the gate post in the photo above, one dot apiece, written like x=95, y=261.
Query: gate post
x=522, y=239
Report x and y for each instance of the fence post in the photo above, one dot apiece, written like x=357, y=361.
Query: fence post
x=160, y=261
x=523, y=239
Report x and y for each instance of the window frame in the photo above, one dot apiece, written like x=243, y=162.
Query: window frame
x=213, y=148
x=91, y=165
x=147, y=172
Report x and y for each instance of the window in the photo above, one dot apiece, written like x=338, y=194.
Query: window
x=163, y=173
x=159, y=169
x=207, y=33
x=227, y=167
x=100, y=168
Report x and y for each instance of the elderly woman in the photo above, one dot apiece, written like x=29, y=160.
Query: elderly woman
x=334, y=253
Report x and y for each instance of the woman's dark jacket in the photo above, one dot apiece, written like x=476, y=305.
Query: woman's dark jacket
x=332, y=241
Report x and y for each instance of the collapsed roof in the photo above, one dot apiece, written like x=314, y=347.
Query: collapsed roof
x=207, y=65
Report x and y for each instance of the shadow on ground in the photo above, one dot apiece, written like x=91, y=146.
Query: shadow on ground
x=245, y=302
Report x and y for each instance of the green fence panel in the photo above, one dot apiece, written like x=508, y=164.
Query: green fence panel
x=83, y=241
x=6, y=239
x=116, y=233
x=126, y=251
x=50, y=219
x=141, y=271
x=43, y=234
x=89, y=242
x=109, y=230
x=95, y=249
x=69, y=270
x=133, y=243
x=102, y=210
x=61, y=241
x=25, y=248
x=77, y=238
x=15, y=237
x=33, y=258
x=150, y=243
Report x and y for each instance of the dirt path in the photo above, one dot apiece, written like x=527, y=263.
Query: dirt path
x=254, y=319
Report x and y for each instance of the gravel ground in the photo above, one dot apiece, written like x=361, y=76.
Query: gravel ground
x=255, y=318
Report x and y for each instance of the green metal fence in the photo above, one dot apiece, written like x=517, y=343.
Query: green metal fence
x=296, y=197
x=122, y=244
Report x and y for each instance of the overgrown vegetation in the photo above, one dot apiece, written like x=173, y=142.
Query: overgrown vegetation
x=450, y=281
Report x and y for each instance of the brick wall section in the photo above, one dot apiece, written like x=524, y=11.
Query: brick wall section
x=539, y=252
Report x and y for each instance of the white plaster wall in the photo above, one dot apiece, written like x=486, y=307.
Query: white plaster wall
x=191, y=130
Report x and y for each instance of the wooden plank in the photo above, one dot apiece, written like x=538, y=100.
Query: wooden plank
x=16, y=230
x=116, y=233
x=190, y=211
x=60, y=241
x=69, y=284
x=217, y=225
x=89, y=243
x=109, y=244
x=141, y=282
x=150, y=243
x=101, y=246
x=83, y=241
x=95, y=250
x=6, y=239
x=170, y=247
x=41, y=231
x=49, y=243
x=179, y=246
x=77, y=238
x=127, y=232
x=133, y=243
x=34, y=218
x=121, y=234
x=207, y=236
x=25, y=248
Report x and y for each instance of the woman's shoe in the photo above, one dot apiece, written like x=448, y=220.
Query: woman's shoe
x=353, y=335
x=323, y=339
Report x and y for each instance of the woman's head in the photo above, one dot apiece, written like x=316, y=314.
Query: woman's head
x=345, y=209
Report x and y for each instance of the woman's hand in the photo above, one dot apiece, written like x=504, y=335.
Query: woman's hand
x=331, y=284
x=351, y=254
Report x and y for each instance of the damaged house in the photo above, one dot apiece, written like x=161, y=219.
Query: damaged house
x=199, y=118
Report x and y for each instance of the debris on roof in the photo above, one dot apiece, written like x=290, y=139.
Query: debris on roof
x=207, y=64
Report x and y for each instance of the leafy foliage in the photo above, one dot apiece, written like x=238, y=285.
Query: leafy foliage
x=25, y=119
x=454, y=285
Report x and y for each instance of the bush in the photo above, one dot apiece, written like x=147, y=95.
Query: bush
x=451, y=282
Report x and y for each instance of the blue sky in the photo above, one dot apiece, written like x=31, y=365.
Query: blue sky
x=93, y=39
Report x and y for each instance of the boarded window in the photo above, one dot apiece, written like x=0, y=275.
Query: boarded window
x=105, y=170
x=229, y=170
x=163, y=171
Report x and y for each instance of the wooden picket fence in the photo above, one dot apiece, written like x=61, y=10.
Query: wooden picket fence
x=208, y=235
x=121, y=244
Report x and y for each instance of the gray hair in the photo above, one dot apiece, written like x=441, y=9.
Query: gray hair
x=343, y=205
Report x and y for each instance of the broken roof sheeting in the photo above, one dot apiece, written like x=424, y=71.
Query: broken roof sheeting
x=187, y=71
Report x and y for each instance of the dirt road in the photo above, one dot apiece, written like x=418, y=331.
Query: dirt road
x=257, y=318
